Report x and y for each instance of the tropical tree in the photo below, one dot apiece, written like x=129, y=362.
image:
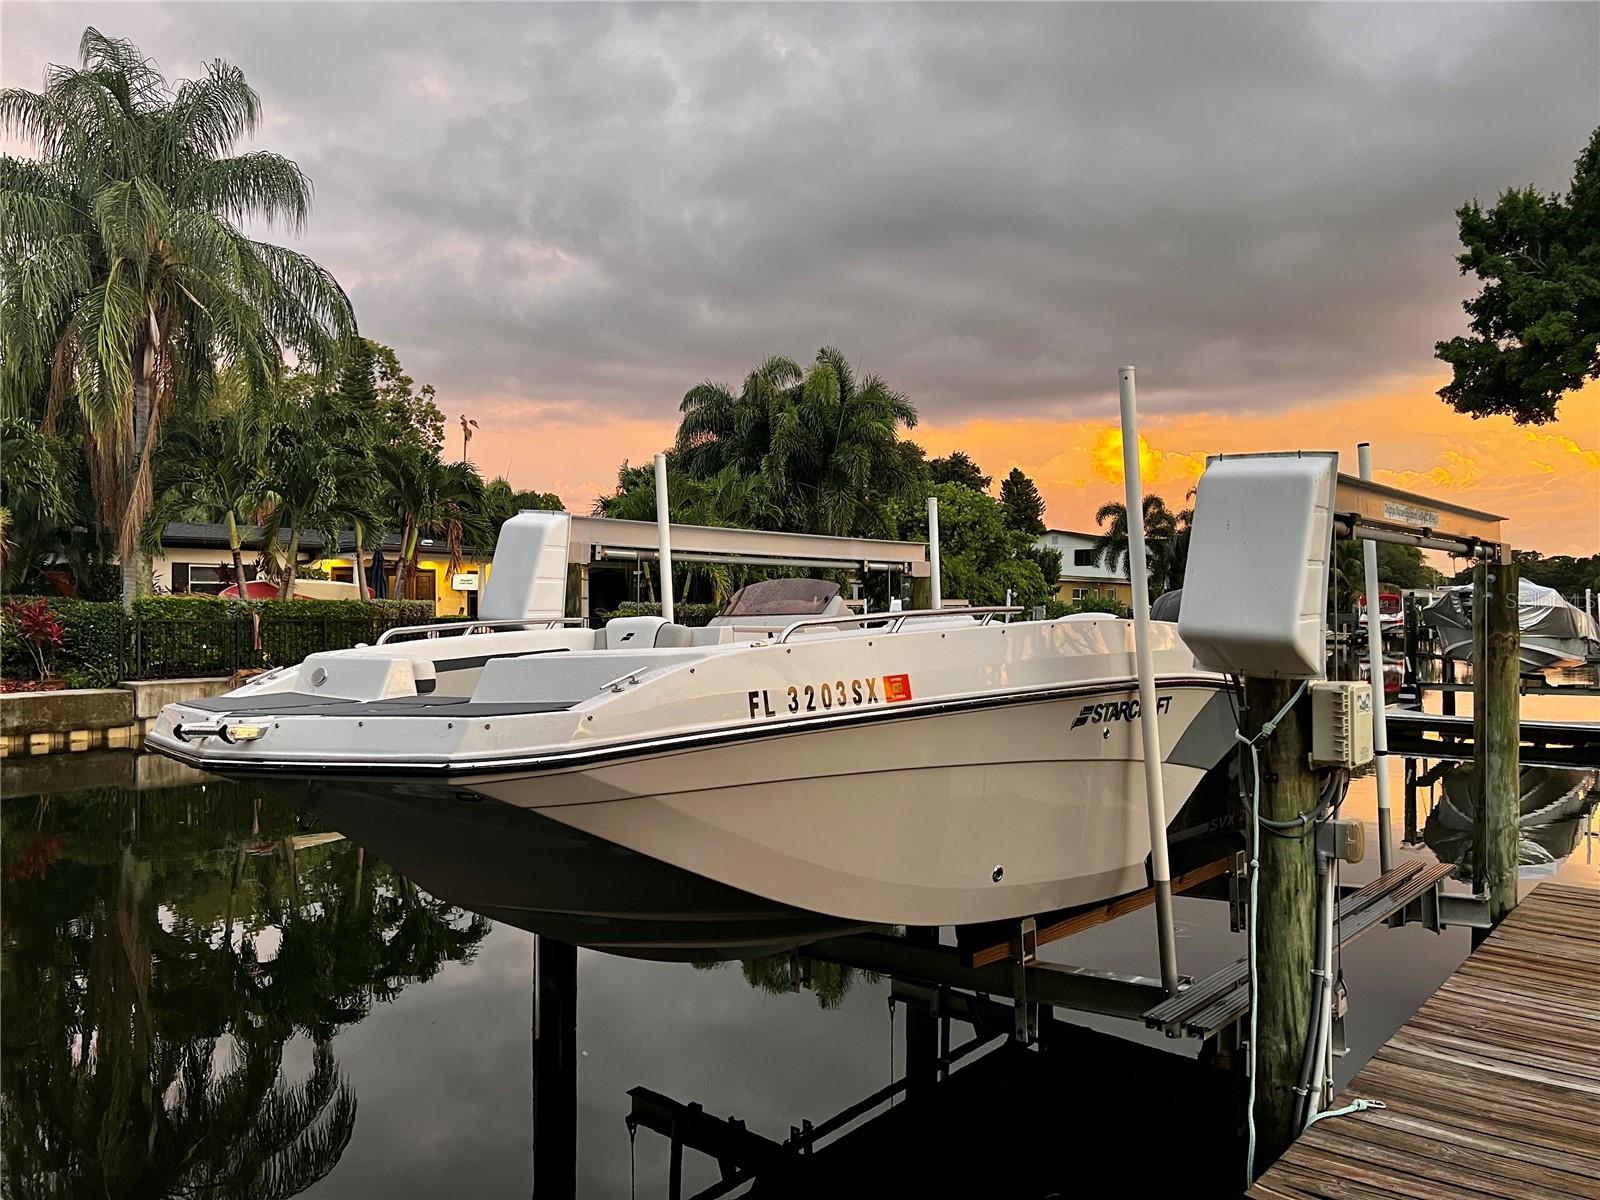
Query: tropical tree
x=1024, y=507
x=981, y=560
x=211, y=465
x=423, y=494
x=501, y=502
x=1165, y=540
x=727, y=499
x=128, y=280
x=957, y=467
x=823, y=444
x=36, y=495
x=1536, y=323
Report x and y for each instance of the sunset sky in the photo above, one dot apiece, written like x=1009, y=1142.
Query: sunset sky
x=564, y=217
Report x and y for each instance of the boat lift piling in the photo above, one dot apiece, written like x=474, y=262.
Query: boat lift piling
x=1149, y=726
x=1496, y=748
x=1380, y=728
x=935, y=582
x=664, y=536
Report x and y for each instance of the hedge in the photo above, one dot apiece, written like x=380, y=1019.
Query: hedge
x=96, y=641
x=201, y=635
x=1054, y=609
x=170, y=636
x=683, y=614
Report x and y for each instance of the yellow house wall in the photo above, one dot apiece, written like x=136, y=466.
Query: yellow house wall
x=1098, y=589
x=447, y=601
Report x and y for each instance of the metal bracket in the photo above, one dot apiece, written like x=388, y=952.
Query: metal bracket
x=1238, y=892
x=1024, y=952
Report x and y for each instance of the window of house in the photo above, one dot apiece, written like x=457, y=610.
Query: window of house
x=199, y=578
x=1083, y=558
x=1079, y=594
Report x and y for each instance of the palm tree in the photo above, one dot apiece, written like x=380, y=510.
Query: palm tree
x=823, y=444
x=424, y=494
x=128, y=280
x=1161, y=534
x=213, y=465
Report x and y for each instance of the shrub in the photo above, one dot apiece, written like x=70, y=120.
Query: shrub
x=1060, y=608
x=95, y=640
x=683, y=614
x=205, y=635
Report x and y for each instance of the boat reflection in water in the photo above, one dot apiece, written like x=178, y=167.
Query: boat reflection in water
x=515, y=866
x=1555, y=804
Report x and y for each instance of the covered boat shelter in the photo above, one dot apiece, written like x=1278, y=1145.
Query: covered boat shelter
x=598, y=547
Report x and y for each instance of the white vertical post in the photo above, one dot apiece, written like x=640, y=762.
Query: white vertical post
x=1149, y=722
x=933, y=551
x=664, y=536
x=1380, y=720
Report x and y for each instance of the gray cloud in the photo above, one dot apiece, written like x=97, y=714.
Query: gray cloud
x=993, y=206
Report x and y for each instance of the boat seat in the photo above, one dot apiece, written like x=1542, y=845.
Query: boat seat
x=636, y=633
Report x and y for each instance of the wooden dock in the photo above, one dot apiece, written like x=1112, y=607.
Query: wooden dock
x=1492, y=1087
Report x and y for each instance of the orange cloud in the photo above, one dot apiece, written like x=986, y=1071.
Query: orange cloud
x=1546, y=482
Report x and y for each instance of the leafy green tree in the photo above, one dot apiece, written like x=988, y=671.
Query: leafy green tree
x=128, y=278
x=956, y=467
x=501, y=502
x=822, y=444
x=728, y=499
x=980, y=558
x=211, y=466
x=423, y=494
x=1536, y=323
x=36, y=496
x=1023, y=505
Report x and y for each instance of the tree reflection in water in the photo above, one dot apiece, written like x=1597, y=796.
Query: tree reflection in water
x=160, y=952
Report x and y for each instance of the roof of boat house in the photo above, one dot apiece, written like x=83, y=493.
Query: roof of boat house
x=595, y=540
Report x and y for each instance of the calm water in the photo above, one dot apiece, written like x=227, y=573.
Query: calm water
x=210, y=991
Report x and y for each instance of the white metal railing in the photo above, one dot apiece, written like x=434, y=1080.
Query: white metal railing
x=462, y=628
x=894, y=620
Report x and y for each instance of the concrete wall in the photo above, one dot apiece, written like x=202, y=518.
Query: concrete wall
x=91, y=718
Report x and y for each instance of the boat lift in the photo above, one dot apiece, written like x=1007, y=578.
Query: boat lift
x=959, y=983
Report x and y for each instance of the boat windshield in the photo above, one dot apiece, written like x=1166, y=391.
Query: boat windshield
x=781, y=598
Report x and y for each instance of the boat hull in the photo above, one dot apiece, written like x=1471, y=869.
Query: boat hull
x=934, y=818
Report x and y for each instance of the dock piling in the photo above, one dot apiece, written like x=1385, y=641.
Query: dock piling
x=1496, y=733
x=1286, y=916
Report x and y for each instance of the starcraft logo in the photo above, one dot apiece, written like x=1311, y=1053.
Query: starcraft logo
x=1109, y=711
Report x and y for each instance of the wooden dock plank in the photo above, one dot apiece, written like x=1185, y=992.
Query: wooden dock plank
x=1491, y=1085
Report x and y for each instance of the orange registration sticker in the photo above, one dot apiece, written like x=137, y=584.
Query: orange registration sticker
x=896, y=688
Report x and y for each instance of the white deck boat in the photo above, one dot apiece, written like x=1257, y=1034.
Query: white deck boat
x=1554, y=634
x=907, y=768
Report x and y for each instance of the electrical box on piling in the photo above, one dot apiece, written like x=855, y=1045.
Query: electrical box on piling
x=1255, y=591
x=1341, y=723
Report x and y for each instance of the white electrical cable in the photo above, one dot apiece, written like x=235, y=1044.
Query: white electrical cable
x=1354, y=1106
x=1253, y=744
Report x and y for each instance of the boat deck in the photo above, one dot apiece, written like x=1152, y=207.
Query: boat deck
x=1491, y=1088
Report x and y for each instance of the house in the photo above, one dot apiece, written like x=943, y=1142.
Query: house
x=195, y=558
x=1082, y=578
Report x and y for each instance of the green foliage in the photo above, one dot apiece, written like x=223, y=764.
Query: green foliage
x=1399, y=567
x=1055, y=609
x=1023, y=506
x=819, y=447
x=501, y=502
x=1536, y=323
x=1568, y=575
x=980, y=558
x=127, y=275
x=1166, y=541
x=1048, y=561
x=683, y=614
x=96, y=641
x=959, y=469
